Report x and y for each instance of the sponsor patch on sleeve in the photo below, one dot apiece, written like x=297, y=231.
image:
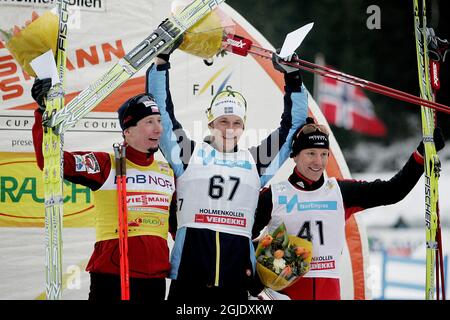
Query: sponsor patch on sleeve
x=80, y=165
x=91, y=163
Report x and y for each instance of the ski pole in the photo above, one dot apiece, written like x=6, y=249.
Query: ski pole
x=343, y=77
x=242, y=46
x=119, y=153
x=375, y=87
x=440, y=264
x=126, y=268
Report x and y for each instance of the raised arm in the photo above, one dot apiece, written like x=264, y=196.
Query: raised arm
x=275, y=149
x=360, y=195
x=176, y=147
x=86, y=168
x=90, y=169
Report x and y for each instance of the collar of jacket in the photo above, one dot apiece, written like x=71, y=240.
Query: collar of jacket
x=138, y=157
x=302, y=183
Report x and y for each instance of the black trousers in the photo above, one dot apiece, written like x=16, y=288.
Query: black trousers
x=192, y=292
x=106, y=287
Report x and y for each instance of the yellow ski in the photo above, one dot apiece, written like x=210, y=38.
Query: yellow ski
x=52, y=148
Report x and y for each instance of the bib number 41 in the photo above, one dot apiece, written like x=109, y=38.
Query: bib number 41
x=305, y=231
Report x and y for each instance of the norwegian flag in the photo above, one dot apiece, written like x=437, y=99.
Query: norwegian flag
x=345, y=105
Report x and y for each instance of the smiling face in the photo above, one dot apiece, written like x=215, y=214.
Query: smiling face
x=226, y=132
x=145, y=135
x=312, y=162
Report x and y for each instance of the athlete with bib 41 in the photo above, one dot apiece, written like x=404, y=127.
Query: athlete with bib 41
x=150, y=187
x=213, y=259
x=315, y=207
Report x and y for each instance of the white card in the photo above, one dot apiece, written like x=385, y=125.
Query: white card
x=294, y=39
x=45, y=67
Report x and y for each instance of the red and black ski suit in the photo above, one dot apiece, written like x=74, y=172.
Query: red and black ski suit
x=148, y=255
x=356, y=196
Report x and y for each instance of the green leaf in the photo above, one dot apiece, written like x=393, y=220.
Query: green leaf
x=267, y=252
x=5, y=35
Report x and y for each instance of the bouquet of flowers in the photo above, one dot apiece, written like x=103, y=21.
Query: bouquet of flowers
x=204, y=39
x=282, y=259
x=36, y=37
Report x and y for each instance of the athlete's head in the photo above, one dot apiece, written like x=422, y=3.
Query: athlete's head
x=140, y=121
x=310, y=149
x=226, y=119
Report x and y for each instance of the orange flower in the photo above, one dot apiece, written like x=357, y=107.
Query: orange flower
x=300, y=251
x=279, y=234
x=16, y=30
x=278, y=254
x=266, y=241
x=32, y=40
x=287, y=272
x=34, y=16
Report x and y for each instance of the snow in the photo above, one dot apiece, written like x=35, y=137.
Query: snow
x=412, y=208
x=405, y=246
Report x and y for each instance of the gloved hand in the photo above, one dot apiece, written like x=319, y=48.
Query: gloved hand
x=276, y=61
x=39, y=91
x=292, y=75
x=439, y=141
x=165, y=55
x=437, y=48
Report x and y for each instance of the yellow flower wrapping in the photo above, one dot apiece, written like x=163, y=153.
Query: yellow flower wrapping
x=204, y=39
x=34, y=40
x=276, y=282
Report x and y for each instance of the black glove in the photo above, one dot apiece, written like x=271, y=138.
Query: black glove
x=292, y=75
x=439, y=142
x=165, y=55
x=39, y=91
x=437, y=48
x=276, y=61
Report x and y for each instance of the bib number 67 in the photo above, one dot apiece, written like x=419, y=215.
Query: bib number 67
x=217, y=185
